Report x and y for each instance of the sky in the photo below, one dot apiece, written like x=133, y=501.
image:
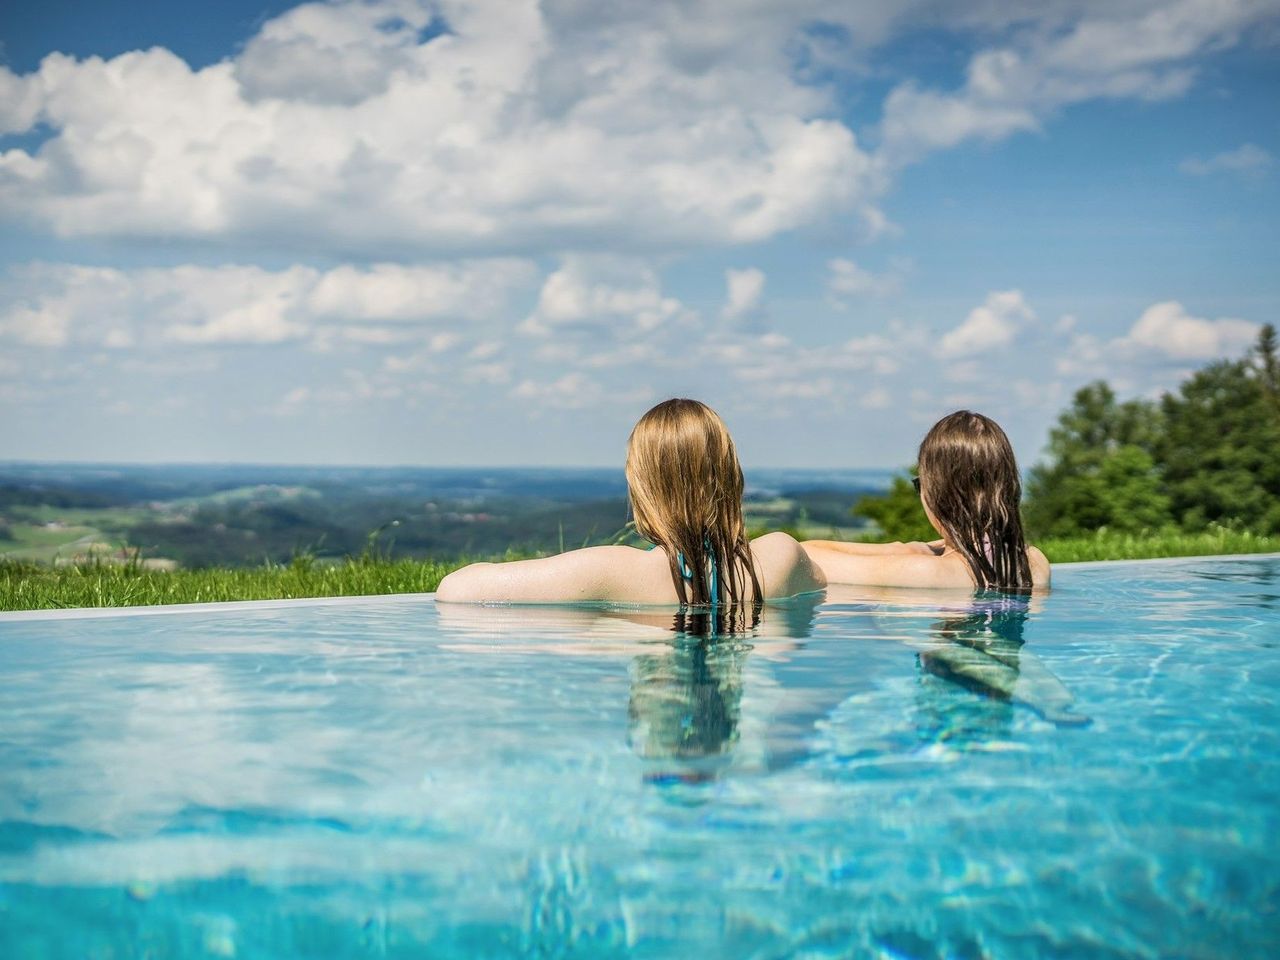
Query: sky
x=495, y=232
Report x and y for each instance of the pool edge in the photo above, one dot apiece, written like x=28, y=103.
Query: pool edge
x=229, y=606
x=1079, y=564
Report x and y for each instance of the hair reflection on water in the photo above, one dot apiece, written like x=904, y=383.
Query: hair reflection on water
x=685, y=707
x=686, y=701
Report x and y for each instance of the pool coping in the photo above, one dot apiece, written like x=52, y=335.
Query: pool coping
x=1078, y=564
x=229, y=606
x=233, y=606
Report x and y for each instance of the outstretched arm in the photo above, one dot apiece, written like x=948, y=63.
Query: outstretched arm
x=897, y=547
x=593, y=573
x=890, y=569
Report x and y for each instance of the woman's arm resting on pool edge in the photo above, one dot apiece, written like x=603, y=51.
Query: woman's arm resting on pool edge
x=875, y=549
x=889, y=569
x=908, y=570
x=579, y=575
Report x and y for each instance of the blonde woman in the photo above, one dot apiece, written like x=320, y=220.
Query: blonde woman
x=684, y=482
x=970, y=488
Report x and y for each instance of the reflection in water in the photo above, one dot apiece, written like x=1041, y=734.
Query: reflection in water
x=982, y=650
x=686, y=701
x=744, y=688
x=706, y=685
x=722, y=619
x=686, y=712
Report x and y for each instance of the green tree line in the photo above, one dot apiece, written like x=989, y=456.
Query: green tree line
x=1205, y=456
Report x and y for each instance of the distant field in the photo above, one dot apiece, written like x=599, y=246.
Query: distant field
x=47, y=533
x=249, y=525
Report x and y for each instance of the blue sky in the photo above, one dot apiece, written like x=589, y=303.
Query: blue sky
x=495, y=232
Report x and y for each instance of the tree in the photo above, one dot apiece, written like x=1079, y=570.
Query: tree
x=1131, y=492
x=1268, y=366
x=1101, y=470
x=1221, y=448
x=898, y=513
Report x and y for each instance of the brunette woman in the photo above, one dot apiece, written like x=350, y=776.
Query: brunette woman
x=969, y=485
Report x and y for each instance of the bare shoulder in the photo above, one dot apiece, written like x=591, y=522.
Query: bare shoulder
x=784, y=567
x=1041, y=570
x=776, y=543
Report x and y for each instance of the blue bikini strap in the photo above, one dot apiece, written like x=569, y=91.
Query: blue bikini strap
x=715, y=573
x=686, y=571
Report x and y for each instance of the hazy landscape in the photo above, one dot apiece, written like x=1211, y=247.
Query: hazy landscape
x=197, y=516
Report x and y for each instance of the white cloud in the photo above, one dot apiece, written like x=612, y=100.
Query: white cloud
x=846, y=279
x=595, y=293
x=223, y=305
x=772, y=367
x=331, y=53
x=917, y=122
x=1072, y=54
x=338, y=129
x=19, y=102
x=294, y=402
x=490, y=373
x=1166, y=331
x=744, y=289
x=994, y=324
x=1084, y=357
x=485, y=350
x=398, y=293
x=1164, y=346
x=44, y=302
x=877, y=399
x=1248, y=159
x=493, y=126
x=572, y=391
x=52, y=305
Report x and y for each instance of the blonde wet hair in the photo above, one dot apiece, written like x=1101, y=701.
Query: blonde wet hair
x=685, y=486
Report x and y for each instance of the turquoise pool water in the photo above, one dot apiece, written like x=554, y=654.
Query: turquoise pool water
x=1095, y=774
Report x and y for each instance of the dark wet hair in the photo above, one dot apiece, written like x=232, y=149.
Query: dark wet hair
x=718, y=620
x=970, y=482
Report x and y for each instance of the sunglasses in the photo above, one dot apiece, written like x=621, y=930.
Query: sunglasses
x=915, y=482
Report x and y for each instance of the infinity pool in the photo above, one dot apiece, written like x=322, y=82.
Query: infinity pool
x=1095, y=773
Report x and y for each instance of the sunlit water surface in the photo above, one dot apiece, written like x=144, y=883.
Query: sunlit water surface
x=1095, y=773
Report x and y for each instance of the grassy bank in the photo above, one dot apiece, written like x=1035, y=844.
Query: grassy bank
x=1105, y=545
x=34, y=586
x=30, y=586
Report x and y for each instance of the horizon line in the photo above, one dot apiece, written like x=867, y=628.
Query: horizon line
x=4, y=463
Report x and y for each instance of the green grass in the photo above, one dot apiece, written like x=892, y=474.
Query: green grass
x=33, y=586
x=1106, y=545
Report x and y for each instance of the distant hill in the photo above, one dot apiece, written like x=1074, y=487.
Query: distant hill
x=237, y=515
